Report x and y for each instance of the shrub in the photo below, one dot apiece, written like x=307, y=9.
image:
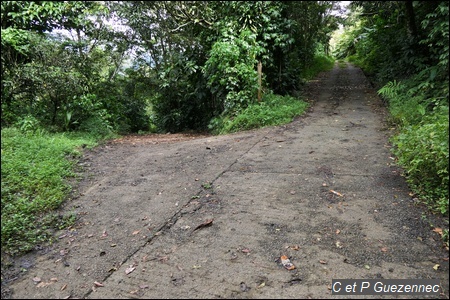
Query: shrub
x=423, y=151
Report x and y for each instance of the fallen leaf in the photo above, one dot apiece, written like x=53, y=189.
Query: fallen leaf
x=384, y=249
x=336, y=193
x=438, y=230
x=134, y=292
x=367, y=267
x=324, y=262
x=295, y=247
x=37, y=279
x=245, y=250
x=63, y=287
x=129, y=269
x=196, y=267
x=436, y=266
x=287, y=263
x=338, y=231
x=98, y=284
x=136, y=232
x=339, y=245
x=263, y=284
x=144, y=286
x=54, y=279
x=44, y=284
x=204, y=224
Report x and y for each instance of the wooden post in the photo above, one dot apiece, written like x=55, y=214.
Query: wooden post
x=259, y=81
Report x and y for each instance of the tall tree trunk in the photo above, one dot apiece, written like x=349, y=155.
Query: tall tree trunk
x=410, y=19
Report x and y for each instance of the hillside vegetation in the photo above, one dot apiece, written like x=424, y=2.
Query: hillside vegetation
x=75, y=73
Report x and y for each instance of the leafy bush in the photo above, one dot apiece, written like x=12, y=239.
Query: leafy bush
x=231, y=72
x=423, y=151
x=405, y=106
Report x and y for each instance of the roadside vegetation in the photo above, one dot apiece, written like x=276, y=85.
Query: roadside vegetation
x=35, y=168
x=71, y=79
x=404, y=48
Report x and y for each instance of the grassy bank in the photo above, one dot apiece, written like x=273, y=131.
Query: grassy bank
x=34, y=172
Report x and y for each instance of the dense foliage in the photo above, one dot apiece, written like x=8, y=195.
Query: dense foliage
x=97, y=68
x=164, y=65
x=404, y=47
x=104, y=67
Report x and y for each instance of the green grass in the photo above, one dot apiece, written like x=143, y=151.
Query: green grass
x=421, y=143
x=272, y=110
x=35, y=169
x=321, y=63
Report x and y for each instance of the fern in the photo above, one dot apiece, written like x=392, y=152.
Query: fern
x=390, y=90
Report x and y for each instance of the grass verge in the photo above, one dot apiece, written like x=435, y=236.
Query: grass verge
x=34, y=171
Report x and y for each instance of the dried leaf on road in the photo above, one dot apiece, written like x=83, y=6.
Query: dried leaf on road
x=204, y=224
x=336, y=193
x=287, y=263
x=96, y=283
x=130, y=269
x=44, y=284
x=438, y=230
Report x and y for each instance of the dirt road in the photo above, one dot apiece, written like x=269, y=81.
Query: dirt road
x=210, y=216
